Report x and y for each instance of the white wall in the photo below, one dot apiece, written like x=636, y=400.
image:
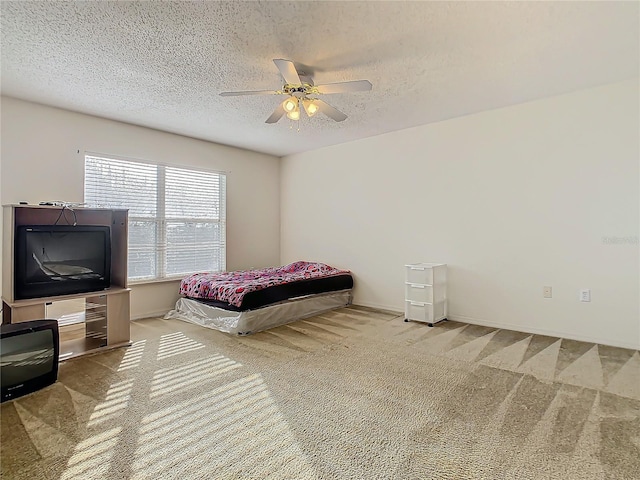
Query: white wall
x=43, y=159
x=511, y=199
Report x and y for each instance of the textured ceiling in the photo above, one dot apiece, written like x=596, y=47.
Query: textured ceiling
x=163, y=64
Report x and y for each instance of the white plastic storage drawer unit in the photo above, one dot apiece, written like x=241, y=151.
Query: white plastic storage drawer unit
x=425, y=292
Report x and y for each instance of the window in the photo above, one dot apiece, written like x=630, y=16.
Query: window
x=176, y=215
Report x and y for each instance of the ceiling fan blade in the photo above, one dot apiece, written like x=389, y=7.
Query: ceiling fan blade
x=288, y=71
x=251, y=92
x=341, y=87
x=329, y=111
x=276, y=115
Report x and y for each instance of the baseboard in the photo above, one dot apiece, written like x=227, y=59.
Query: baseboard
x=159, y=313
x=381, y=308
x=390, y=311
x=541, y=331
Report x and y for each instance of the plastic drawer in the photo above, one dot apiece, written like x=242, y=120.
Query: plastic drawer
x=419, y=274
x=418, y=292
x=422, y=312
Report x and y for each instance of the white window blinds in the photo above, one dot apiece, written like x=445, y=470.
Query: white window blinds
x=176, y=215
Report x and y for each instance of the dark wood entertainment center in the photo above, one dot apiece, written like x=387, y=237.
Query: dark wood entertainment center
x=113, y=303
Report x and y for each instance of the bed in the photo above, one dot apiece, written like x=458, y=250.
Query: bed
x=248, y=301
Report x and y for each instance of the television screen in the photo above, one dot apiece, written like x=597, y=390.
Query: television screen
x=28, y=357
x=58, y=260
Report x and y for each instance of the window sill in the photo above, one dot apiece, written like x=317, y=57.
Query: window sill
x=133, y=283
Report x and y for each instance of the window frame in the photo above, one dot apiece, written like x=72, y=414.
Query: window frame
x=161, y=220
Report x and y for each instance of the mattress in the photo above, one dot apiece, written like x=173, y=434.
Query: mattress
x=251, y=289
x=278, y=293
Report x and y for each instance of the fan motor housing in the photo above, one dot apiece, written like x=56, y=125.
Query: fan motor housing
x=299, y=90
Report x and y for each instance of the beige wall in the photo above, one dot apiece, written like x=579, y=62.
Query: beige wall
x=42, y=156
x=512, y=200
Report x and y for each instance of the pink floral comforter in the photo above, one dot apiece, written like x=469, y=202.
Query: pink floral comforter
x=231, y=287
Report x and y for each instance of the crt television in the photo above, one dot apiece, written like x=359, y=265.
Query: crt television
x=61, y=259
x=29, y=353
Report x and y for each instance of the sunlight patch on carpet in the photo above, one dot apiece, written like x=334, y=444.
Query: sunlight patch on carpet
x=133, y=356
x=176, y=343
x=236, y=427
x=91, y=455
x=115, y=402
x=167, y=380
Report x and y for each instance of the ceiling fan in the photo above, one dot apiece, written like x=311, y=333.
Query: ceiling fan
x=300, y=90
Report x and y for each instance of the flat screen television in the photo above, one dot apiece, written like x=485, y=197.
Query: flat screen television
x=29, y=353
x=55, y=260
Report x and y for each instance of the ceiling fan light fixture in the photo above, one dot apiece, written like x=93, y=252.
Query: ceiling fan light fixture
x=294, y=115
x=310, y=107
x=290, y=104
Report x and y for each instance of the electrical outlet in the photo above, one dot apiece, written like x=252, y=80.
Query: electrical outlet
x=585, y=295
x=546, y=292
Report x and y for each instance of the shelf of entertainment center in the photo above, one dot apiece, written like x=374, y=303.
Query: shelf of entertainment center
x=76, y=347
x=112, y=325
x=58, y=298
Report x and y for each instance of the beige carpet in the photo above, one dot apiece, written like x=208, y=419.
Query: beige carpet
x=350, y=394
